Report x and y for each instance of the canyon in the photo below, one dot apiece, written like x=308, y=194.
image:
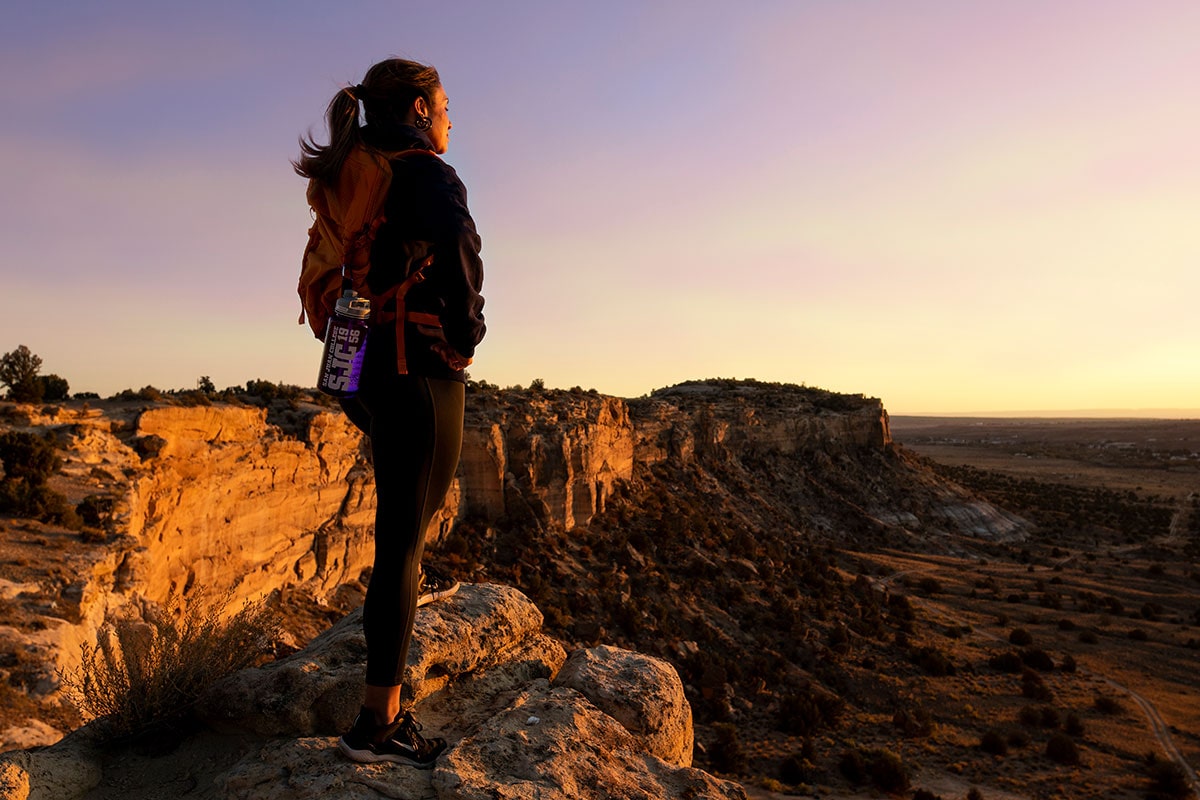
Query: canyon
x=801, y=572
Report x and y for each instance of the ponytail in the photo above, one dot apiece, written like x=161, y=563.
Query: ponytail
x=324, y=163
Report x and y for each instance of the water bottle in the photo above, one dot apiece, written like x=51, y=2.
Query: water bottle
x=345, y=345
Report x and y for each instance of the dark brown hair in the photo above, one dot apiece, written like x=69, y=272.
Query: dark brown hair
x=387, y=92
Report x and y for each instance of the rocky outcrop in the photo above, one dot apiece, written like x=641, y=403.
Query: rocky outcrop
x=612, y=724
x=712, y=420
x=238, y=502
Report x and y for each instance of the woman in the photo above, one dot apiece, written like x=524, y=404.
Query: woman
x=411, y=406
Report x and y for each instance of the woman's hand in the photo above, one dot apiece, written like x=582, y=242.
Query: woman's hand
x=451, y=356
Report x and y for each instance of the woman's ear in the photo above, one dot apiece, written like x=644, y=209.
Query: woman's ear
x=421, y=107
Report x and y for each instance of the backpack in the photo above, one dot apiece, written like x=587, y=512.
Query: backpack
x=346, y=219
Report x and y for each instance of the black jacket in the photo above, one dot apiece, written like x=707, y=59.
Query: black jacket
x=426, y=211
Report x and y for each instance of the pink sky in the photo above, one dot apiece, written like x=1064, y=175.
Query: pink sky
x=954, y=207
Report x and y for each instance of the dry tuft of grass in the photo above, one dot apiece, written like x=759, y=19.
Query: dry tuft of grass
x=150, y=672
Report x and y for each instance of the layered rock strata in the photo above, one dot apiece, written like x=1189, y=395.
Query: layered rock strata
x=518, y=722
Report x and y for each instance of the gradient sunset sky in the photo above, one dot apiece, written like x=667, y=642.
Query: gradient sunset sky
x=953, y=206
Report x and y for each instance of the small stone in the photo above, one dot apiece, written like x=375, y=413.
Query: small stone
x=533, y=720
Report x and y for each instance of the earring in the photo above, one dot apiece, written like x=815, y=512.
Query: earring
x=424, y=123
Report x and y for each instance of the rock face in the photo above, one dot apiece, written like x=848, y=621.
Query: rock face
x=613, y=723
x=239, y=502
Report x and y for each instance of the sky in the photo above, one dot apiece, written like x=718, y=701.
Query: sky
x=954, y=207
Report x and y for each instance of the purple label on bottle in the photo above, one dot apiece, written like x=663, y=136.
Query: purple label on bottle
x=341, y=363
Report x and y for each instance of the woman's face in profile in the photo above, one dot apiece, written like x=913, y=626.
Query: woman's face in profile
x=439, y=116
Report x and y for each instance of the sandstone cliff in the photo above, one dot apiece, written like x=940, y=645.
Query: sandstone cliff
x=521, y=717
x=240, y=502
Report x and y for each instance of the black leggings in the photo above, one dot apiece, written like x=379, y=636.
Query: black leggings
x=415, y=425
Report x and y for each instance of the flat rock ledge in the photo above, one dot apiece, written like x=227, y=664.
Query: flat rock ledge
x=522, y=720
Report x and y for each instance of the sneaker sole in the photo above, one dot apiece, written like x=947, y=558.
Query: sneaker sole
x=369, y=757
x=429, y=597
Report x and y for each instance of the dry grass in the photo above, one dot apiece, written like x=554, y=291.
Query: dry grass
x=145, y=673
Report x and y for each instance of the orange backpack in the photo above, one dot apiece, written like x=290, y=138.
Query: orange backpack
x=346, y=219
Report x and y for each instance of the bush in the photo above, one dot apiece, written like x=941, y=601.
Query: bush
x=1033, y=687
x=1062, y=749
x=993, y=742
x=54, y=388
x=726, y=754
x=888, y=771
x=1020, y=637
x=925, y=794
x=1167, y=778
x=930, y=585
x=1006, y=662
x=150, y=673
x=29, y=461
x=807, y=711
x=883, y=768
x=1107, y=704
x=798, y=767
x=933, y=661
x=1018, y=738
x=914, y=722
x=853, y=767
x=28, y=458
x=1038, y=659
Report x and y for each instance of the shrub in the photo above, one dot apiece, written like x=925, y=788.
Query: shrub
x=993, y=742
x=1107, y=704
x=853, y=767
x=933, y=661
x=1037, y=658
x=1167, y=778
x=27, y=457
x=149, y=673
x=29, y=461
x=1048, y=717
x=726, y=755
x=1033, y=687
x=1018, y=738
x=925, y=794
x=1089, y=637
x=807, y=711
x=914, y=722
x=798, y=767
x=1020, y=637
x=888, y=771
x=883, y=768
x=1062, y=749
x=1006, y=662
x=930, y=585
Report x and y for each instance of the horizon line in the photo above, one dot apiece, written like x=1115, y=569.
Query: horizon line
x=1085, y=413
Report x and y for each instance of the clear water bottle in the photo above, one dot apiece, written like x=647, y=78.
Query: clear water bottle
x=345, y=345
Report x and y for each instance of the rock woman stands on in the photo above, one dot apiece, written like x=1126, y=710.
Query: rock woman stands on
x=414, y=420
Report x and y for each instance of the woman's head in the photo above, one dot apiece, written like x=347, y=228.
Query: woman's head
x=397, y=91
x=393, y=92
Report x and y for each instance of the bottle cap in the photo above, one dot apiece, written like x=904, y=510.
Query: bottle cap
x=353, y=306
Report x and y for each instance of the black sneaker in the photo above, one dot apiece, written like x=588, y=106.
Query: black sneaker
x=434, y=585
x=401, y=742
